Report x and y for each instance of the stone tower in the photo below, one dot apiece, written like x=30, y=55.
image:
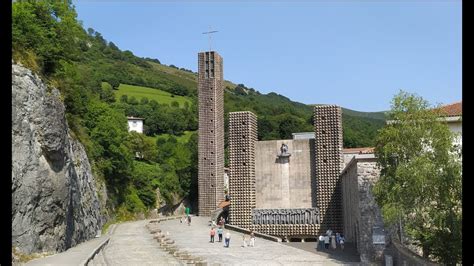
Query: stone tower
x=211, y=132
x=328, y=160
x=242, y=140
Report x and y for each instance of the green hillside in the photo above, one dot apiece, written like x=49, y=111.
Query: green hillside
x=158, y=95
x=373, y=115
x=93, y=74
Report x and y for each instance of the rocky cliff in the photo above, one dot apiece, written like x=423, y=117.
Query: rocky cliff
x=55, y=204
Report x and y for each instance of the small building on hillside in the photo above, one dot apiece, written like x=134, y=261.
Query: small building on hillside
x=135, y=124
x=452, y=114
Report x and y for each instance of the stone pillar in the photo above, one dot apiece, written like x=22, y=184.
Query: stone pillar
x=242, y=139
x=328, y=155
x=211, y=132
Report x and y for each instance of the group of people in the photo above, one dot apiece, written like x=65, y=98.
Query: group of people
x=331, y=239
x=250, y=242
x=219, y=230
x=186, y=219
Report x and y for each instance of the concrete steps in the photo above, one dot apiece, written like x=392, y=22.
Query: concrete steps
x=168, y=245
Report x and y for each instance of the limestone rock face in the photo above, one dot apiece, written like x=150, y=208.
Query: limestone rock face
x=55, y=204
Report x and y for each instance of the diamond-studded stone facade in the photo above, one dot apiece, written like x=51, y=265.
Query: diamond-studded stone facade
x=211, y=132
x=326, y=210
x=242, y=140
x=328, y=161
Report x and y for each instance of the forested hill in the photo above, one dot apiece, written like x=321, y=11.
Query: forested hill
x=88, y=70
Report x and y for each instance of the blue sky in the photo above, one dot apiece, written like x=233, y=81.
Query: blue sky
x=356, y=54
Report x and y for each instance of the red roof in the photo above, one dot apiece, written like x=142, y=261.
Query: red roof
x=454, y=109
x=363, y=150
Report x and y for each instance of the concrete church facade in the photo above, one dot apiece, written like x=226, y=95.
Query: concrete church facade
x=286, y=188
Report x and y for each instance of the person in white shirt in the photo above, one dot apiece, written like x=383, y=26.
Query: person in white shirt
x=227, y=239
x=321, y=242
x=326, y=242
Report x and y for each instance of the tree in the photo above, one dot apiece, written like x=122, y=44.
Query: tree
x=420, y=181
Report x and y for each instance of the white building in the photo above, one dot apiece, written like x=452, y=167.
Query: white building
x=452, y=114
x=135, y=124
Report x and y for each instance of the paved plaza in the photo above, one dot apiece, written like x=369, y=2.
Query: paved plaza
x=131, y=243
x=195, y=240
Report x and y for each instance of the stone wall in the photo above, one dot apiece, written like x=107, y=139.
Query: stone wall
x=361, y=213
x=284, y=184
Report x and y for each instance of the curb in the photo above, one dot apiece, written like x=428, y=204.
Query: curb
x=95, y=251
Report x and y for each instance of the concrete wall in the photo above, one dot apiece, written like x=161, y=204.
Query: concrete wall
x=360, y=211
x=281, y=184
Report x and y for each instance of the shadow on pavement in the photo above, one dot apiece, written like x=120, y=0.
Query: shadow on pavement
x=348, y=255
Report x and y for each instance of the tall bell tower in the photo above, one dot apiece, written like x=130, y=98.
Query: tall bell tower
x=211, y=132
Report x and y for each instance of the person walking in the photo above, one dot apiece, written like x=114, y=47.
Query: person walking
x=321, y=242
x=227, y=240
x=219, y=233
x=212, y=233
x=333, y=241
x=189, y=220
x=252, y=239
x=244, y=241
x=341, y=242
x=326, y=242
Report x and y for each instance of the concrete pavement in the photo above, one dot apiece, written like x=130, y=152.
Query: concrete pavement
x=194, y=240
x=132, y=244
x=74, y=256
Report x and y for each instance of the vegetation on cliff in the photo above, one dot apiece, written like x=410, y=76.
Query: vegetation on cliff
x=95, y=79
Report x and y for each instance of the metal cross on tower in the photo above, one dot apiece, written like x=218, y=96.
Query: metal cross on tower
x=209, y=34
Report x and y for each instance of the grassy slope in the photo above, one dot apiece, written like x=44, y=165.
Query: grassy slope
x=356, y=124
x=152, y=94
x=187, y=79
x=181, y=139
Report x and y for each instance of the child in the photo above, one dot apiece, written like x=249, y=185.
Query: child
x=227, y=239
x=219, y=233
x=252, y=239
x=341, y=242
x=244, y=242
x=212, y=233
